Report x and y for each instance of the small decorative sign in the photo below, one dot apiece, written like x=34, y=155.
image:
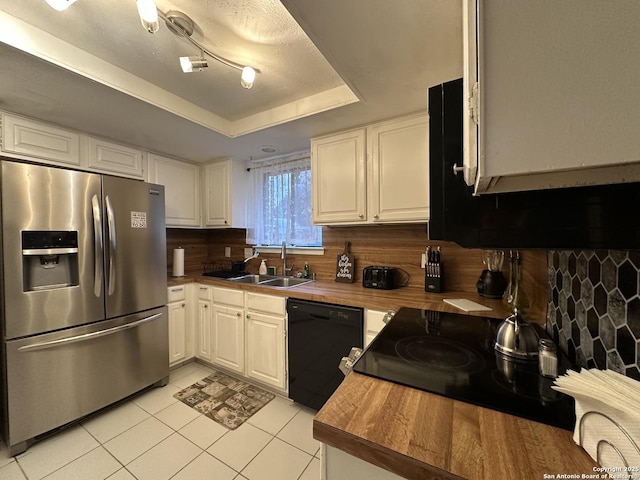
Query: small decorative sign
x=345, y=266
x=138, y=219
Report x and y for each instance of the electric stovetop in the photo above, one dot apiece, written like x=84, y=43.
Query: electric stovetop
x=453, y=355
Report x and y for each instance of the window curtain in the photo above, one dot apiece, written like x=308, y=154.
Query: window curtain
x=281, y=206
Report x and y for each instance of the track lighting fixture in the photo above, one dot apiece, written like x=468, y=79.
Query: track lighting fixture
x=190, y=64
x=60, y=5
x=179, y=24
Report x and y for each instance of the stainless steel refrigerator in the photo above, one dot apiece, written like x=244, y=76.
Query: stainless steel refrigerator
x=84, y=319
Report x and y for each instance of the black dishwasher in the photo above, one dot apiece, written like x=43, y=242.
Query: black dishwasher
x=319, y=335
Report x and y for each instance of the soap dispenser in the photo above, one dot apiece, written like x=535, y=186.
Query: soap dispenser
x=263, y=268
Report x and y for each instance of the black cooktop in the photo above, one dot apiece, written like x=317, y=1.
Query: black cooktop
x=452, y=355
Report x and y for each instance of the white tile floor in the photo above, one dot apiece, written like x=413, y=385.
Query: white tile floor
x=155, y=437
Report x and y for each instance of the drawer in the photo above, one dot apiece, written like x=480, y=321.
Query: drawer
x=176, y=294
x=266, y=303
x=227, y=296
x=204, y=292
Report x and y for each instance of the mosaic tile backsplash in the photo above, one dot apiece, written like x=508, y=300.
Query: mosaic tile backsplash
x=594, y=308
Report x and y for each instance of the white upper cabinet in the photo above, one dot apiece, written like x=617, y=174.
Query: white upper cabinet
x=182, y=189
x=339, y=176
x=375, y=174
x=225, y=184
x=557, y=93
x=109, y=157
x=27, y=138
x=399, y=170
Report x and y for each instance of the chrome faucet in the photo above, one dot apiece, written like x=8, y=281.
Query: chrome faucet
x=283, y=256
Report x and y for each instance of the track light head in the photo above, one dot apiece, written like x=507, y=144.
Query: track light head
x=248, y=77
x=148, y=15
x=191, y=64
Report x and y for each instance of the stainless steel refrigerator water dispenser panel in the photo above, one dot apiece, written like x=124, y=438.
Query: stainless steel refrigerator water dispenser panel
x=49, y=260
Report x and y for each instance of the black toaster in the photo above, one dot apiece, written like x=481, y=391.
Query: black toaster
x=384, y=278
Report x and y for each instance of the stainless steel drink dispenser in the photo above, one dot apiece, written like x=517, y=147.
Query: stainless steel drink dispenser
x=49, y=259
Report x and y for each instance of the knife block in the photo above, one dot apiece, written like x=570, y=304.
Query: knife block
x=434, y=277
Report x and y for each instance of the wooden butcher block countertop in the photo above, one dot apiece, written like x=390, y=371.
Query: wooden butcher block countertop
x=354, y=295
x=419, y=435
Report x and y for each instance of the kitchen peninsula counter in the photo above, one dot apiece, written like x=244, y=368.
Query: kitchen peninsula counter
x=354, y=295
x=419, y=435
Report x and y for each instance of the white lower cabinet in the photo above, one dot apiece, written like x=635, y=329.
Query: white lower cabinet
x=374, y=321
x=181, y=316
x=177, y=308
x=339, y=465
x=227, y=332
x=266, y=339
x=227, y=329
x=244, y=333
x=241, y=332
x=203, y=331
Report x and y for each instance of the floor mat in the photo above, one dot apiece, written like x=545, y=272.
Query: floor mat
x=225, y=399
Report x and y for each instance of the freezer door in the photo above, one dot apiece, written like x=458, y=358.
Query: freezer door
x=135, y=246
x=55, y=378
x=48, y=286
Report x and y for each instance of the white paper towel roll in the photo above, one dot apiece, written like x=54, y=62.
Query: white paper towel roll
x=178, y=262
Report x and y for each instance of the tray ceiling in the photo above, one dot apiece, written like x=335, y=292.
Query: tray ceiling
x=323, y=66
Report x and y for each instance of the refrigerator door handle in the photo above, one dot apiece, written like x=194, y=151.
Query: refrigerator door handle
x=111, y=229
x=97, y=247
x=87, y=336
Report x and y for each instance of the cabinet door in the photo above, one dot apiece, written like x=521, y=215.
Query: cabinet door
x=338, y=175
x=181, y=182
x=399, y=186
x=374, y=322
x=266, y=349
x=110, y=157
x=564, y=118
x=228, y=338
x=218, y=195
x=177, y=332
x=25, y=137
x=203, y=349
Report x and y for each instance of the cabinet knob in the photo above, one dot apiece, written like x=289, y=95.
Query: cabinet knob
x=182, y=305
x=248, y=316
x=239, y=315
x=205, y=305
x=457, y=169
x=225, y=222
x=361, y=215
x=376, y=216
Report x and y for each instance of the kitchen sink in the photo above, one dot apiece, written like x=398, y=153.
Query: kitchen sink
x=255, y=279
x=285, y=282
x=270, y=280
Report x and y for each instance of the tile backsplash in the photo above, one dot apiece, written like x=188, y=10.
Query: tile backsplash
x=594, y=307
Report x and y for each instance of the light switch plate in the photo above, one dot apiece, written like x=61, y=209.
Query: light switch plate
x=248, y=251
x=227, y=251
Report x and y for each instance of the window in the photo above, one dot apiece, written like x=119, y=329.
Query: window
x=281, y=206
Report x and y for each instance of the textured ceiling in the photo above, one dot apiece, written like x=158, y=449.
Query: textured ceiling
x=325, y=65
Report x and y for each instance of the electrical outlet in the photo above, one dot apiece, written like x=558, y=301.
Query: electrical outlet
x=248, y=251
x=227, y=251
